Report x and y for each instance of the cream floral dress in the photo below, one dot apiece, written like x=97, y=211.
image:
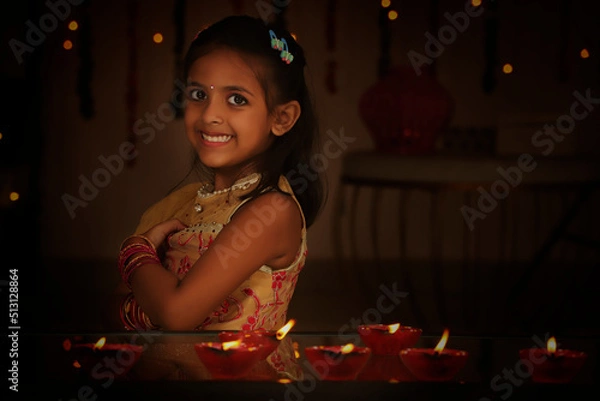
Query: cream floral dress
x=262, y=300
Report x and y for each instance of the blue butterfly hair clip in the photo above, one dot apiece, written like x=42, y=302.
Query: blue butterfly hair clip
x=281, y=45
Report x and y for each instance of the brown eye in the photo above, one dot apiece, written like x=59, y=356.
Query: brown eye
x=237, y=100
x=196, y=94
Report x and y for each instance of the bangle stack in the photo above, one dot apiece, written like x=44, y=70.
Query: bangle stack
x=134, y=255
x=133, y=317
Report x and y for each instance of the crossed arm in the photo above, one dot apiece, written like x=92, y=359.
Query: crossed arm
x=181, y=305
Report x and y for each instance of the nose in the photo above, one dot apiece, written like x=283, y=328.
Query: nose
x=213, y=111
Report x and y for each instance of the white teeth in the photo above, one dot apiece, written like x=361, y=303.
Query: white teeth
x=219, y=138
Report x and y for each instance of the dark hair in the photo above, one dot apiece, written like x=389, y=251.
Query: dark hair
x=281, y=83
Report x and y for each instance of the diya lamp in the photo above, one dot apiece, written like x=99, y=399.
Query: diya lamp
x=553, y=365
x=269, y=339
x=337, y=362
x=100, y=357
x=228, y=360
x=434, y=364
x=388, y=339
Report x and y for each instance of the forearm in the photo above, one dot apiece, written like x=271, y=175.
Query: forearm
x=154, y=288
x=152, y=285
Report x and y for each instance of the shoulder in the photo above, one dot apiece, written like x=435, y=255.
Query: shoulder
x=165, y=208
x=272, y=208
x=272, y=226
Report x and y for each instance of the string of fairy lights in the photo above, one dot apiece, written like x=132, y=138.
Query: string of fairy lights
x=158, y=38
x=507, y=66
x=73, y=26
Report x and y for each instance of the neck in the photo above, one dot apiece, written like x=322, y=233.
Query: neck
x=225, y=178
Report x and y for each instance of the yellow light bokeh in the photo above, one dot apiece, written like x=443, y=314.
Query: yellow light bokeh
x=67, y=45
x=157, y=38
x=507, y=68
x=385, y=3
x=0, y=135
x=14, y=196
x=73, y=25
x=475, y=3
x=392, y=15
x=584, y=53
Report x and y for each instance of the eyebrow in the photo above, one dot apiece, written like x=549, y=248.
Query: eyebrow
x=227, y=88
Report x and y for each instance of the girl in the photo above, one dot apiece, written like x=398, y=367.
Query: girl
x=226, y=254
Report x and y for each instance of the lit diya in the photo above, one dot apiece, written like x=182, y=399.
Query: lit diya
x=553, y=365
x=437, y=364
x=388, y=339
x=229, y=359
x=100, y=358
x=337, y=362
x=269, y=339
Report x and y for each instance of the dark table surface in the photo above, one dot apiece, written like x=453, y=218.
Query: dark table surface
x=493, y=372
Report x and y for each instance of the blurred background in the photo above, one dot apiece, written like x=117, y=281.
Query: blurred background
x=428, y=105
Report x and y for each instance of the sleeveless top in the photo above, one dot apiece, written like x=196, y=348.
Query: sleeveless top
x=262, y=300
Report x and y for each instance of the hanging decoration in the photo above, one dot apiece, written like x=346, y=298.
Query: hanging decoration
x=490, y=27
x=384, y=42
x=131, y=96
x=434, y=26
x=330, y=28
x=86, y=66
x=565, y=25
x=406, y=112
x=179, y=22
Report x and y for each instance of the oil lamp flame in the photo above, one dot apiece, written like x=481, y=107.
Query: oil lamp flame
x=230, y=344
x=442, y=343
x=76, y=364
x=551, y=345
x=346, y=349
x=284, y=330
x=100, y=343
x=392, y=328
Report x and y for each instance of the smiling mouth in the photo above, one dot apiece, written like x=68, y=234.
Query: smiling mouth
x=216, y=138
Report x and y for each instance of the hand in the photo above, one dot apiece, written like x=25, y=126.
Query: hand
x=159, y=233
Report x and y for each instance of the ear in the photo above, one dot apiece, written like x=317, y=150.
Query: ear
x=286, y=116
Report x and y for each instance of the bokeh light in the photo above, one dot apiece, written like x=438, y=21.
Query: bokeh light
x=584, y=53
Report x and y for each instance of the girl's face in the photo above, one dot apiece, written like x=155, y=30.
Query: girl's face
x=226, y=116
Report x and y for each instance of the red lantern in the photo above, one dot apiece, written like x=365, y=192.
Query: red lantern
x=406, y=112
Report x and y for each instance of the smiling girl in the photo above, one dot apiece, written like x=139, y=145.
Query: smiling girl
x=226, y=253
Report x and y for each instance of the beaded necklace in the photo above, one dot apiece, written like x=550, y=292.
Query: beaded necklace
x=206, y=190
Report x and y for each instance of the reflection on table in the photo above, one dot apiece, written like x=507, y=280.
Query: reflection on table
x=493, y=365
